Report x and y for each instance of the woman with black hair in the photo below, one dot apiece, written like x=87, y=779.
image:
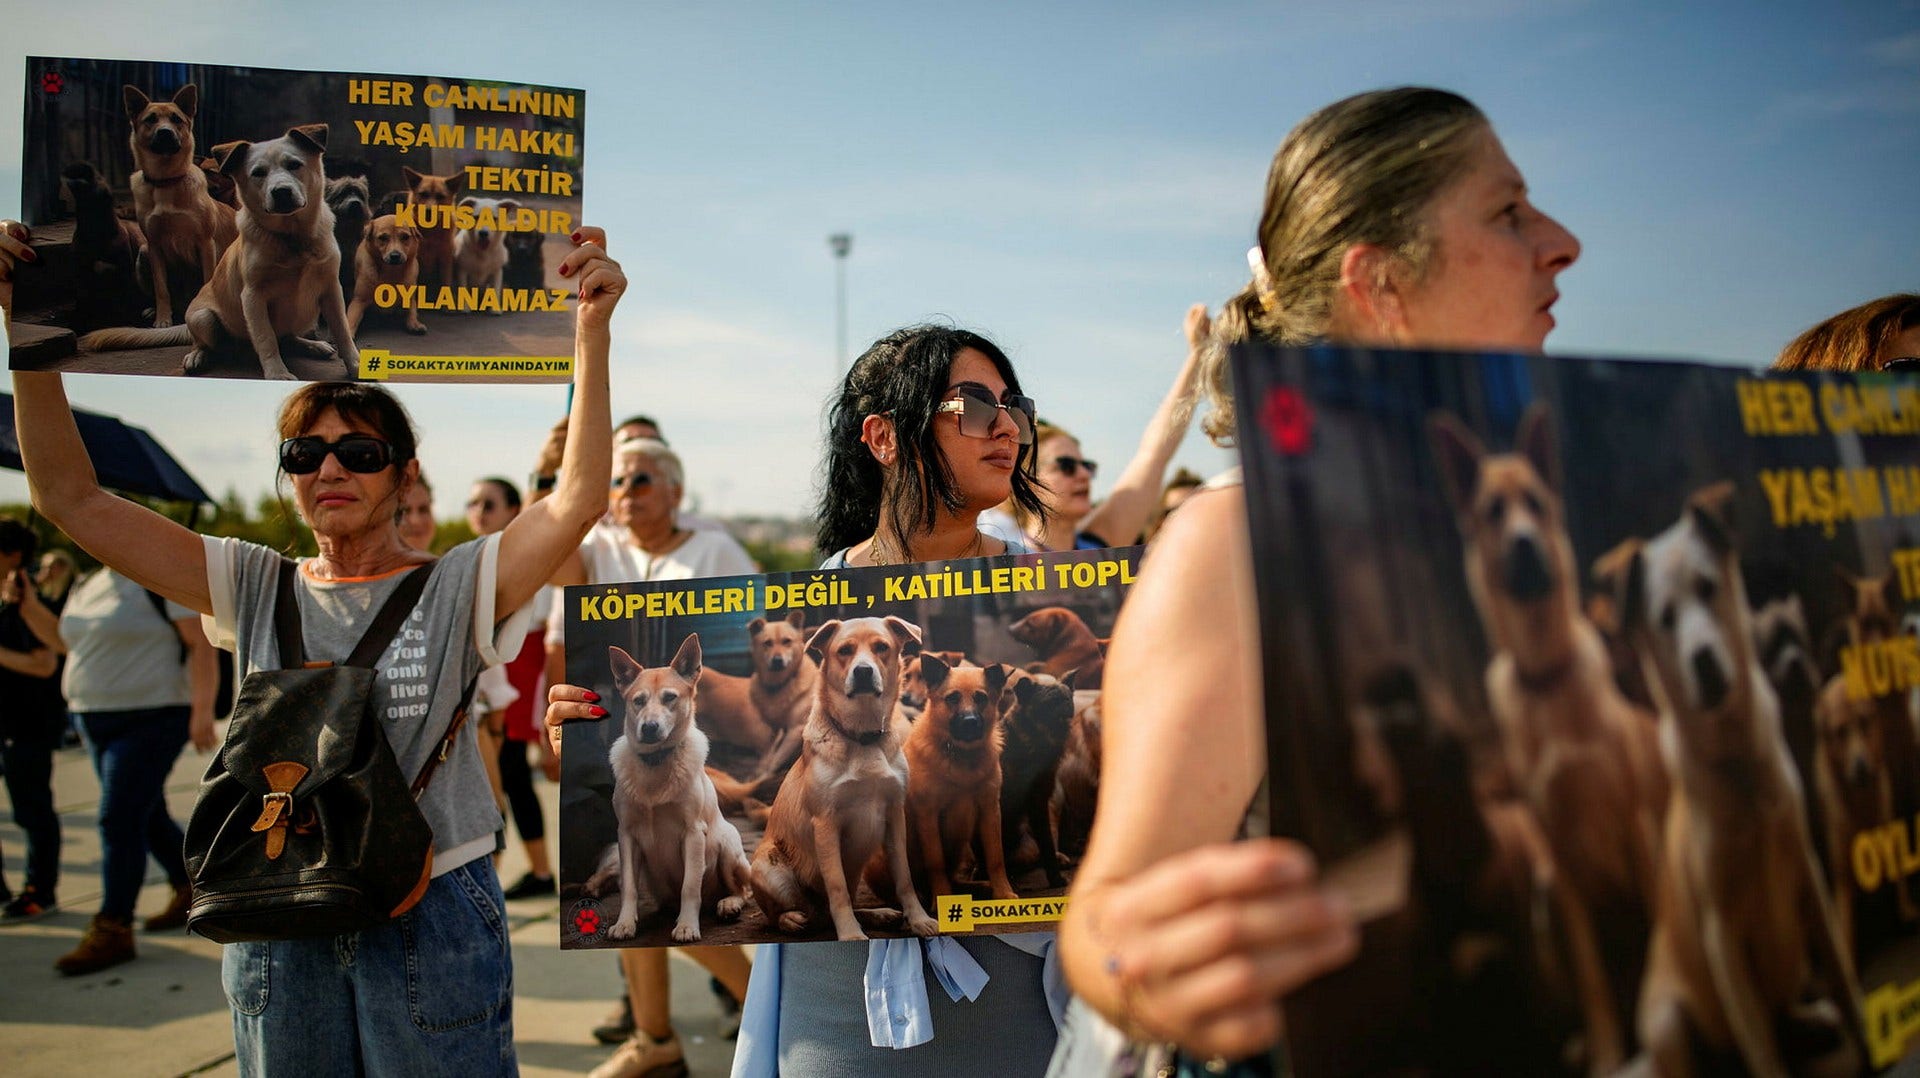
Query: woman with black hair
x=903, y=484
x=928, y=429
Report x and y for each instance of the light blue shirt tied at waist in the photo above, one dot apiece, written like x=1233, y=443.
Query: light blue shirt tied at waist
x=899, y=1014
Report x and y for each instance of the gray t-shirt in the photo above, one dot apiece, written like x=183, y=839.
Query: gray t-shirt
x=449, y=638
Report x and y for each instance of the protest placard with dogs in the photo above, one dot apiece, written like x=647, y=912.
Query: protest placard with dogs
x=835, y=754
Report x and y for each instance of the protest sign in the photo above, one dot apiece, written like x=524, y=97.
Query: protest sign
x=948, y=712
x=251, y=222
x=1593, y=685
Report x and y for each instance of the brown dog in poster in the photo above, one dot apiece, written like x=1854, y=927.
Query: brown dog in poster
x=755, y=712
x=436, y=196
x=1584, y=758
x=845, y=800
x=1062, y=642
x=953, y=785
x=390, y=254
x=1744, y=947
x=1850, y=783
x=186, y=229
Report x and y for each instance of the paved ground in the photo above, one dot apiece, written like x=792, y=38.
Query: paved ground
x=164, y=1014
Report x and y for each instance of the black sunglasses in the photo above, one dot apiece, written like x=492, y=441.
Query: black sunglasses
x=1069, y=465
x=978, y=410
x=362, y=453
x=635, y=479
x=1902, y=365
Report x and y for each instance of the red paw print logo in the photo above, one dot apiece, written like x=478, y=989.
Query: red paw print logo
x=52, y=82
x=1288, y=421
x=587, y=922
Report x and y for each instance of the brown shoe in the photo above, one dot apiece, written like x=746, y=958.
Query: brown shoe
x=640, y=1056
x=108, y=942
x=175, y=915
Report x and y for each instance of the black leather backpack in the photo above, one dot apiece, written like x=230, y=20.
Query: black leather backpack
x=304, y=825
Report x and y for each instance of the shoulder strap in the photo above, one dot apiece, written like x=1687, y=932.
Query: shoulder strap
x=440, y=754
x=160, y=608
x=286, y=619
x=386, y=623
x=393, y=613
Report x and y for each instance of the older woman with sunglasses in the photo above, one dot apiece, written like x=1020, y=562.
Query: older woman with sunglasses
x=1068, y=519
x=430, y=992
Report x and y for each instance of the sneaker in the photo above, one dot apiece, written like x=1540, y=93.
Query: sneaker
x=640, y=1056
x=531, y=886
x=729, y=1009
x=30, y=902
x=618, y=1025
x=108, y=942
x=175, y=915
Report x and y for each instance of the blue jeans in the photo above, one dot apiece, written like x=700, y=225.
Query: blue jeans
x=133, y=752
x=430, y=993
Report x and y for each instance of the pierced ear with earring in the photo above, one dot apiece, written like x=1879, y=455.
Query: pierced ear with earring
x=877, y=435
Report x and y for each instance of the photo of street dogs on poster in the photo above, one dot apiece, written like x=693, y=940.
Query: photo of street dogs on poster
x=1593, y=686
x=837, y=754
x=245, y=222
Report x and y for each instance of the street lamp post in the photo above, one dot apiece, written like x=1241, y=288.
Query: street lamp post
x=841, y=244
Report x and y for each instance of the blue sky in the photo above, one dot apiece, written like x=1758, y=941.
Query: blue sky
x=1068, y=178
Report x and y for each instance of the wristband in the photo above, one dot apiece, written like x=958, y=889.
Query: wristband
x=542, y=482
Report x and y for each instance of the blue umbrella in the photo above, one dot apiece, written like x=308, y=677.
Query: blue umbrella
x=126, y=458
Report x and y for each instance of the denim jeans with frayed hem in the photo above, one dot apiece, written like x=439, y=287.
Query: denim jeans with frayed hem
x=428, y=994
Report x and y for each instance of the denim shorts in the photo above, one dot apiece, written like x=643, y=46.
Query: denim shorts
x=429, y=993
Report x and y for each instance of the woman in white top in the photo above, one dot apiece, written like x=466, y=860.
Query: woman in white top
x=140, y=680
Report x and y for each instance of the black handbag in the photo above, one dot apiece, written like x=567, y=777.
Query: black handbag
x=304, y=825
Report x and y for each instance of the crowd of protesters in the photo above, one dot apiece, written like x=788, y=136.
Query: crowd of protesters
x=1393, y=218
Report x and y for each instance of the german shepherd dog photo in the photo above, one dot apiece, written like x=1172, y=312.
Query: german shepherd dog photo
x=1584, y=758
x=186, y=230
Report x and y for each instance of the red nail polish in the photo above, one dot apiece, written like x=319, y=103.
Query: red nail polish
x=565, y=270
x=592, y=697
x=597, y=712
x=576, y=237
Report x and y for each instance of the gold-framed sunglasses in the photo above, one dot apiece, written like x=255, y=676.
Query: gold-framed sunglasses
x=977, y=410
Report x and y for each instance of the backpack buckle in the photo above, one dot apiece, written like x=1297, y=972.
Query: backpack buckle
x=276, y=807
